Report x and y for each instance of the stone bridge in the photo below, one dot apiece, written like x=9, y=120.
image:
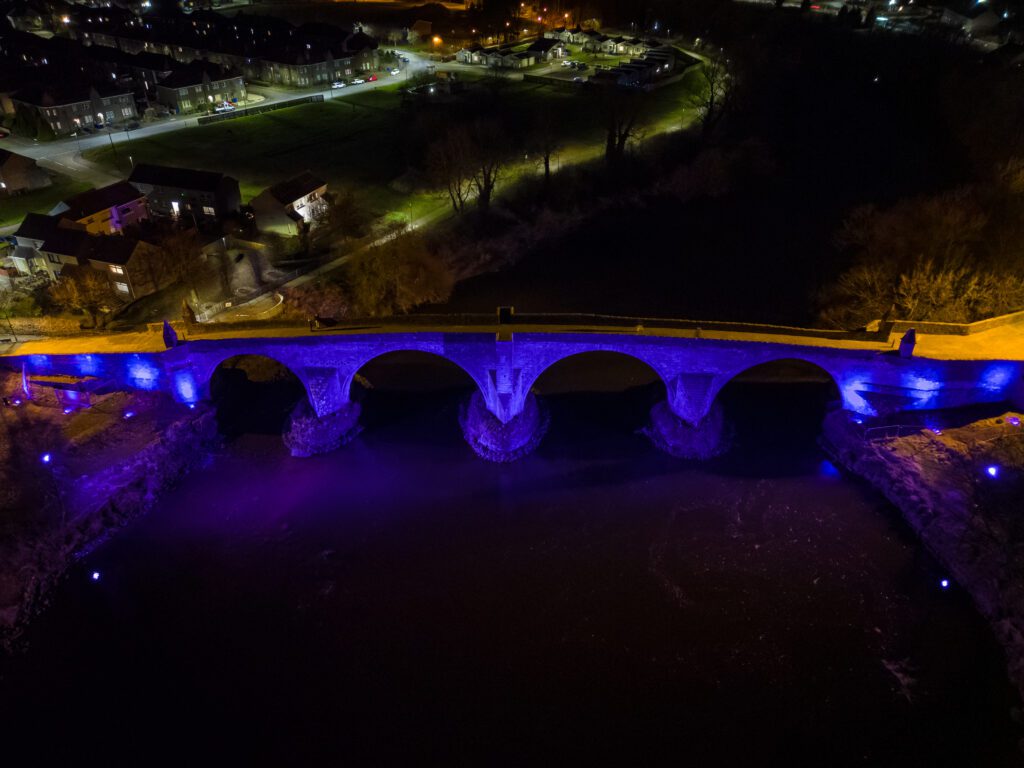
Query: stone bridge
x=873, y=375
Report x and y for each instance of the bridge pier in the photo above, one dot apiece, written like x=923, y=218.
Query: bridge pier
x=704, y=438
x=689, y=423
x=307, y=434
x=502, y=440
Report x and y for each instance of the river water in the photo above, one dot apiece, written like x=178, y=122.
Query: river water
x=401, y=600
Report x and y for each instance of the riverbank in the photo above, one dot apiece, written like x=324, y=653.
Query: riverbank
x=961, y=489
x=71, y=477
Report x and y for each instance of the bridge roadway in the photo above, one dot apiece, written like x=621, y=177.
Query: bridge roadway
x=950, y=366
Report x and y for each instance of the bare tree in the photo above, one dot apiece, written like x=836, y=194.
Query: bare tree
x=183, y=257
x=488, y=150
x=84, y=289
x=622, y=109
x=545, y=141
x=713, y=99
x=450, y=165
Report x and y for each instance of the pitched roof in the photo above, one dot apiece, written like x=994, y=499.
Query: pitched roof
x=182, y=178
x=193, y=74
x=6, y=154
x=112, y=249
x=297, y=187
x=36, y=226
x=95, y=200
x=66, y=242
x=544, y=44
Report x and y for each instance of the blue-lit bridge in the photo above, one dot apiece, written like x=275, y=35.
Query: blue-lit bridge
x=950, y=366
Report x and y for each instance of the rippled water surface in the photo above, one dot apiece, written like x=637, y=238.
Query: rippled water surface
x=402, y=601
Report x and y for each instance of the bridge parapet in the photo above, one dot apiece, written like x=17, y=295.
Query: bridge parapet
x=872, y=379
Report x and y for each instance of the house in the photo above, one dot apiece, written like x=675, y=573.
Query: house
x=473, y=54
x=591, y=39
x=175, y=192
x=66, y=107
x=290, y=206
x=199, y=87
x=130, y=265
x=46, y=244
x=20, y=174
x=546, y=49
x=104, y=211
x=521, y=60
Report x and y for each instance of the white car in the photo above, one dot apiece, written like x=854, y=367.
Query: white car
x=338, y=84
x=358, y=81
x=396, y=71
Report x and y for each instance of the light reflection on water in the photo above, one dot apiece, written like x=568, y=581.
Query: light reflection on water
x=401, y=598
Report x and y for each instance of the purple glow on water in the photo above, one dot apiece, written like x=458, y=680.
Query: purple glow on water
x=992, y=470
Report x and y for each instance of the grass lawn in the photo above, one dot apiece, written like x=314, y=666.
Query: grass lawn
x=364, y=141
x=13, y=209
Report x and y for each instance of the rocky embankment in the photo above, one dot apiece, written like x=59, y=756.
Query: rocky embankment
x=43, y=545
x=962, y=491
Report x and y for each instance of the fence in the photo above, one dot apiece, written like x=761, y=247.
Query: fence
x=249, y=111
x=211, y=311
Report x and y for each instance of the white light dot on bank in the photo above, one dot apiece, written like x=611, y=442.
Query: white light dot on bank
x=95, y=576
x=992, y=470
x=944, y=583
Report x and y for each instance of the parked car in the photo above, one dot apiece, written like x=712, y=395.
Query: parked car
x=577, y=79
x=371, y=79
x=132, y=126
x=404, y=58
x=358, y=81
x=396, y=71
x=338, y=84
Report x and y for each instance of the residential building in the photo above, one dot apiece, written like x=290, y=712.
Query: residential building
x=199, y=88
x=546, y=49
x=46, y=244
x=104, y=211
x=182, y=192
x=66, y=107
x=131, y=265
x=20, y=174
x=289, y=206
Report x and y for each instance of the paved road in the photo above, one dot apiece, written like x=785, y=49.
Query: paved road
x=65, y=155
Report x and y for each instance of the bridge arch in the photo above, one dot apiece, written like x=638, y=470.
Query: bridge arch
x=254, y=392
x=423, y=355
x=638, y=363
x=785, y=371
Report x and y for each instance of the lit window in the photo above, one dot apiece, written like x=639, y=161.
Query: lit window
x=121, y=287
x=209, y=211
x=116, y=269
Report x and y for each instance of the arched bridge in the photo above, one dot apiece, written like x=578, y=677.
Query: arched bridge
x=948, y=367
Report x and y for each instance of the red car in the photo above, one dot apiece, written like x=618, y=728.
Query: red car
x=371, y=79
